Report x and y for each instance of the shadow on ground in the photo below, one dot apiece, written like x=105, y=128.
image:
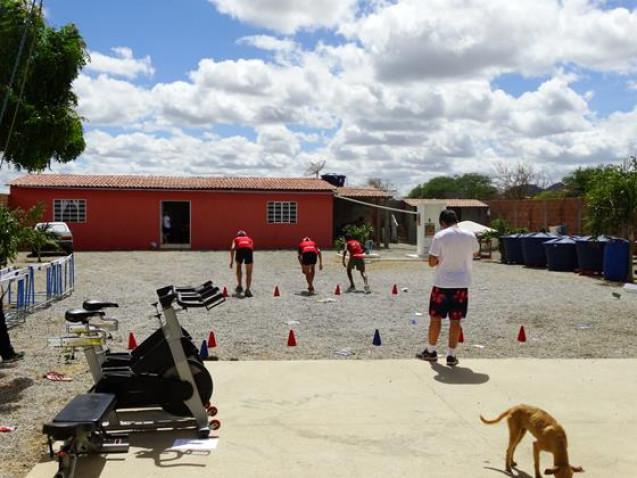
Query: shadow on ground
x=458, y=375
x=12, y=392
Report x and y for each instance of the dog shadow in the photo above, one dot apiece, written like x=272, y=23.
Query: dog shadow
x=516, y=474
x=458, y=375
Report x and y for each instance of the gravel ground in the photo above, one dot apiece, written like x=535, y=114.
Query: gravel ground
x=565, y=316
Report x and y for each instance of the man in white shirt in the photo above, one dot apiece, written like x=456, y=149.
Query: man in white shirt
x=166, y=228
x=451, y=253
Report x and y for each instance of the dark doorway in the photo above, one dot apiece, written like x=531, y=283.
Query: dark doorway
x=175, y=223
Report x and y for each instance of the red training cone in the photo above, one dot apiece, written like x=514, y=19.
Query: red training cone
x=291, y=339
x=276, y=291
x=461, y=338
x=132, y=343
x=394, y=290
x=225, y=291
x=337, y=291
x=212, y=341
x=521, y=334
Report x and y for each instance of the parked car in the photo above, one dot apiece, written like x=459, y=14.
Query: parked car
x=62, y=233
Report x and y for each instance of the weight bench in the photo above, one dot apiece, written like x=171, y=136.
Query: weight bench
x=80, y=426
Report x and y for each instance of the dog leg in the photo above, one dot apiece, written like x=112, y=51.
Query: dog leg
x=514, y=432
x=521, y=434
x=536, y=459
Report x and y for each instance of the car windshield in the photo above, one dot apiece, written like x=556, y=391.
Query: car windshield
x=55, y=228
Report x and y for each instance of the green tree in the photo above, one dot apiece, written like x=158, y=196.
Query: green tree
x=612, y=203
x=40, y=238
x=40, y=123
x=10, y=235
x=578, y=182
x=475, y=186
x=441, y=187
x=467, y=186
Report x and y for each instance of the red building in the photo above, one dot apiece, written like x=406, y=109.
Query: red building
x=130, y=212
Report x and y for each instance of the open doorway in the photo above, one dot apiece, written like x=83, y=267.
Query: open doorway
x=175, y=224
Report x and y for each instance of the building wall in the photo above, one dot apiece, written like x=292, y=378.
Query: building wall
x=130, y=219
x=4, y=199
x=533, y=214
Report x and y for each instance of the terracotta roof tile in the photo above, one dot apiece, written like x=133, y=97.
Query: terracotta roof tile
x=169, y=182
x=363, y=192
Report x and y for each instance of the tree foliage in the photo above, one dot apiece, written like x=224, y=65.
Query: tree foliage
x=466, y=186
x=578, y=182
x=41, y=100
x=15, y=230
x=612, y=202
x=519, y=180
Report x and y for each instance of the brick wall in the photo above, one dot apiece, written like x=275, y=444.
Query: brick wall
x=4, y=199
x=537, y=214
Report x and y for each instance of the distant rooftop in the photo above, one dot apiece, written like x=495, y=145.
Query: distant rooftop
x=363, y=192
x=447, y=202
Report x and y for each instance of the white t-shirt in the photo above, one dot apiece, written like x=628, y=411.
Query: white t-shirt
x=167, y=222
x=454, y=249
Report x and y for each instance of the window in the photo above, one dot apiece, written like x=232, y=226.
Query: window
x=69, y=210
x=281, y=212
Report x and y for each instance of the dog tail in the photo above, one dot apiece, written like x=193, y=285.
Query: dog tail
x=495, y=420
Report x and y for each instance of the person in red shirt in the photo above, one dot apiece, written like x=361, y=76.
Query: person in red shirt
x=242, y=250
x=356, y=260
x=308, y=255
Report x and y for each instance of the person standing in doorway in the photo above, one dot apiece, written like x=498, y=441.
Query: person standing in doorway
x=242, y=250
x=356, y=260
x=308, y=255
x=451, y=254
x=166, y=227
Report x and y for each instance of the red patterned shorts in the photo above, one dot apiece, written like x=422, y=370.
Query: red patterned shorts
x=448, y=302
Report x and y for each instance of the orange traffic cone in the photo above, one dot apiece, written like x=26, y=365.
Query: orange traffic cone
x=291, y=339
x=212, y=340
x=132, y=343
x=225, y=291
x=394, y=290
x=337, y=291
x=461, y=338
x=521, y=334
x=276, y=291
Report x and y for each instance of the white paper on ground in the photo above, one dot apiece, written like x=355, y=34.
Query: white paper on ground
x=630, y=287
x=193, y=444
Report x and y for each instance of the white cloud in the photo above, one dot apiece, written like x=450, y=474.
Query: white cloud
x=123, y=63
x=288, y=16
x=407, y=95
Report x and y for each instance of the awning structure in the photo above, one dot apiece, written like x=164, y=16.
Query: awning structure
x=474, y=227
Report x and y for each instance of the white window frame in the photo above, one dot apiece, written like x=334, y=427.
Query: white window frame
x=282, y=212
x=80, y=205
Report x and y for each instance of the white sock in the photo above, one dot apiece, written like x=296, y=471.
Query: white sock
x=430, y=348
x=451, y=352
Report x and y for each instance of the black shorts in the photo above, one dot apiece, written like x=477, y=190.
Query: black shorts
x=449, y=302
x=309, y=258
x=243, y=256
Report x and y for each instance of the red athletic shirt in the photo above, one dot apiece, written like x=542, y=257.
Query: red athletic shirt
x=243, y=242
x=355, y=249
x=308, y=246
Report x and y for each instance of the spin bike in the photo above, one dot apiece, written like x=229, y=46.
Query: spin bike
x=181, y=386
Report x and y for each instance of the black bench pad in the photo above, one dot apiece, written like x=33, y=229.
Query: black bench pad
x=87, y=408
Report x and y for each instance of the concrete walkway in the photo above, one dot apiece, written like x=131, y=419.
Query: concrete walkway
x=392, y=418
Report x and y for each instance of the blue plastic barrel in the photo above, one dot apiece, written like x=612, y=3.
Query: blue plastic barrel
x=512, y=249
x=590, y=253
x=616, y=255
x=532, y=249
x=561, y=254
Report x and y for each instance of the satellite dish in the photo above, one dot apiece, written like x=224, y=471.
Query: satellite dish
x=315, y=168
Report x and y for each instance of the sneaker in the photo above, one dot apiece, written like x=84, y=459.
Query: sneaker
x=367, y=289
x=452, y=361
x=428, y=356
x=14, y=358
x=248, y=293
x=238, y=289
x=351, y=288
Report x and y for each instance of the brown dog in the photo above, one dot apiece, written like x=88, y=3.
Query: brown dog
x=549, y=436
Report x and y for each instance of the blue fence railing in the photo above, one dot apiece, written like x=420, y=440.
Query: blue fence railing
x=27, y=288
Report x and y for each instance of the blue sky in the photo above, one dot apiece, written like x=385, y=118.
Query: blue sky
x=403, y=90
